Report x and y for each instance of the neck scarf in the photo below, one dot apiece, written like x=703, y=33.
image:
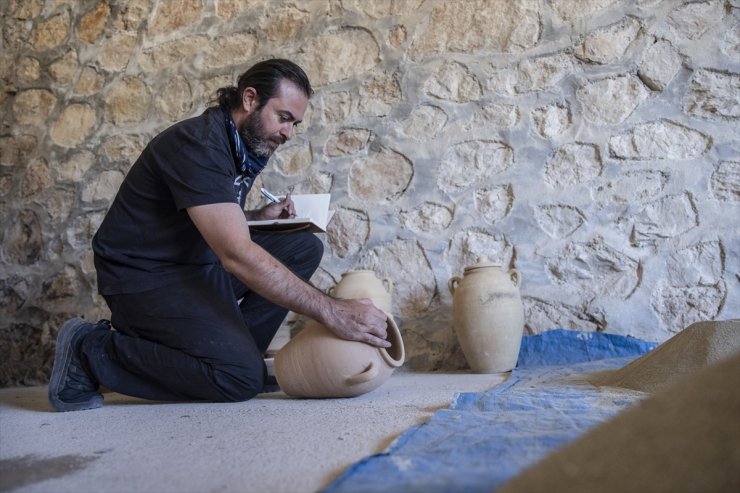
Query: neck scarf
x=247, y=165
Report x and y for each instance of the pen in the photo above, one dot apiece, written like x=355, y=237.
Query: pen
x=269, y=196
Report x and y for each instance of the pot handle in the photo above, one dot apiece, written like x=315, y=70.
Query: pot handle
x=516, y=277
x=367, y=375
x=388, y=284
x=453, y=283
x=331, y=290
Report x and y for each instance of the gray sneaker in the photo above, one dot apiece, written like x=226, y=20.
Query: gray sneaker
x=71, y=387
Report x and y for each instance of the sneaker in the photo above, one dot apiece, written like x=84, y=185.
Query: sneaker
x=71, y=387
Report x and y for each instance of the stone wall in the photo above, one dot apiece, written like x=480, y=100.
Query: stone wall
x=590, y=144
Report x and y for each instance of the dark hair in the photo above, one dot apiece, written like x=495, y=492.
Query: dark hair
x=265, y=77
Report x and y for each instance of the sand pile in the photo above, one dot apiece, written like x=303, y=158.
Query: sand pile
x=684, y=438
x=697, y=346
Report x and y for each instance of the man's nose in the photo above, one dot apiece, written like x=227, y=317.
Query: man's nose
x=287, y=131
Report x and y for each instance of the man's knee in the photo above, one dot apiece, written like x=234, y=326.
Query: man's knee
x=237, y=383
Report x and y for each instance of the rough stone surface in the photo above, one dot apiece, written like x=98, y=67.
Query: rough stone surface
x=589, y=144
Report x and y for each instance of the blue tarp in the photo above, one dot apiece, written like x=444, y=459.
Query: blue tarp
x=486, y=438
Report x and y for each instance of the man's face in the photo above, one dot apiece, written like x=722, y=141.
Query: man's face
x=274, y=124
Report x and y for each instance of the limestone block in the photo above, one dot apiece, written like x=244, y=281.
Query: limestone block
x=679, y=307
x=494, y=203
x=666, y=217
x=25, y=9
x=502, y=80
x=51, y=32
x=573, y=9
x=725, y=182
x=382, y=176
x=729, y=42
x=610, y=101
x=631, y=187
x=347, y=141
x=89, y=82
x=124, y=148
x=496, y=26
x=338, y=54
x=63, y=284
x=541, y=315
x=228, y=9
x=467, y=247
x=406, y=264
x=424, y=122
x=83, y=228
x=36, y=179
x=75, y=167
x=348, y=232
x=293, y=160
x=92, y=23
x=28, y=69
x=595, y=269
x=171, y=15
x=116, y=51
x=175, y=101
x=659, y=140
x=131, y=15
x=336, y=106
x=15, y=150
x=494, y=115
x=397, y=36
x=660, y=63
x=14, y=291
x=468, y=163
x=383, y=8
x=609, y=44
x=573, y=164
x=713, y=95
x=127, y=101
x=551, y=120
x=33, y=106
x=559, y=221
x=172, y=54
x=379, y=95
x=64, y=69
x=57, y=203
x=428, y=217
x=74, y=125
x=23, y=244
x=284, y=24
x=454, y=82
x=103, y=187
x=543, y=72
x=699, y=264
x=230, y=50
x=693, y=19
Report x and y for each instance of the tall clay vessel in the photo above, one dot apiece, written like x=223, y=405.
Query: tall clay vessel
x=488, y=316
x=365, y=284
x=317, y=363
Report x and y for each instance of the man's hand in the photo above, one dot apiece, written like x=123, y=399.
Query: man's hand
x=285, y=209
x=358, y=320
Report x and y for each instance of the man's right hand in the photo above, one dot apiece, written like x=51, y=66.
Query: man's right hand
x=358, y=320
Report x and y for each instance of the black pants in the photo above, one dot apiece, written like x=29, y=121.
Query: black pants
x=193, y=340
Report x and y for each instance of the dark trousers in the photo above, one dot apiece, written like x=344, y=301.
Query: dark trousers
x=193, y=340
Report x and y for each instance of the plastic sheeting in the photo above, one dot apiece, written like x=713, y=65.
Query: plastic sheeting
x=486, y=438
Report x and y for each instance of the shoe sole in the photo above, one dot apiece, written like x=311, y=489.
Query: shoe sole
x=62, y=359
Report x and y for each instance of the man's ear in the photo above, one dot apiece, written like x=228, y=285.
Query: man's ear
x=250, y=100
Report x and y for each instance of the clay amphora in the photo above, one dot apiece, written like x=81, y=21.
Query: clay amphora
x=316, y=363
x=488, y=316
x=364, y=284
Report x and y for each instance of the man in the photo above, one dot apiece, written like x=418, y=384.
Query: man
x=195, y=296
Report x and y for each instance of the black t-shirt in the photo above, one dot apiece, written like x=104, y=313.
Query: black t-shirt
x=147, y=239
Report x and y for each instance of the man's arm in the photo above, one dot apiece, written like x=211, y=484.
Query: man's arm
x=225, y=229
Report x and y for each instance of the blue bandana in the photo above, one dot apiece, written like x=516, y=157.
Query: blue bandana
x=247, y=166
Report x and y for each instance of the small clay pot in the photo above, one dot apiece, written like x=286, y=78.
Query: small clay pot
x=316, y=363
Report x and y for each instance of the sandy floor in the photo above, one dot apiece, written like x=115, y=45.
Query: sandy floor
x=270, y=444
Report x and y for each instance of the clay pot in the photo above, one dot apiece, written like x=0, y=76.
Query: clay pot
x=488, y=316
x=316, y=363
x=365, y=284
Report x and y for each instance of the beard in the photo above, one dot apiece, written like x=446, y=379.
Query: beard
x=255, y=138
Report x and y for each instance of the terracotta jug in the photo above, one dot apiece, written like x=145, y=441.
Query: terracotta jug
x=365, y=284
x=488, y=316
x=316, y=363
